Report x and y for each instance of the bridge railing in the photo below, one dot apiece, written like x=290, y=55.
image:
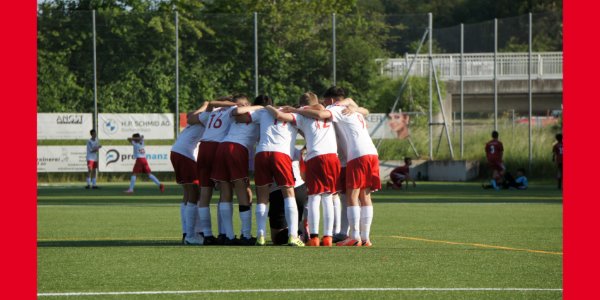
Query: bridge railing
x=479, y=66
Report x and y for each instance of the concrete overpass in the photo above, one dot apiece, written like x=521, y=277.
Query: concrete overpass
x=478, y=75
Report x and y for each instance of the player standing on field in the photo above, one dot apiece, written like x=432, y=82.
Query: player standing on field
x=273, y=163
x=141, y=164
x=183, y=158
x=322, y=167
x=494, y=151
x=362, y=170
x=557, y=157
x=92, y=147
x=217, y=127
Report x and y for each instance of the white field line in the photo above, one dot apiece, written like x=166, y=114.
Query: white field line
x=419, y=289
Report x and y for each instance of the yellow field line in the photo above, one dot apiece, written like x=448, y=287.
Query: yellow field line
x=475, y=245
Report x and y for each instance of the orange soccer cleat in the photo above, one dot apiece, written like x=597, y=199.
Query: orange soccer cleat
x=161, y=187
x=327, y=241
x=350, y=242
x=367, y=244
x=313, y=242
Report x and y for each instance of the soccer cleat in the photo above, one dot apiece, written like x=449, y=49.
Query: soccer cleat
x=95, y=187
x=221, y=238
x=295, y=242
x=313, y=242
x=128, y=192
x=260, y=241
x=367, y=244
x=350, y=242
x=192, y=241
x=87, y=187
x=338, y=237
x=327, y=241
x=161, y=187
x=244, y=241
x=210, y=241
x=183, y=238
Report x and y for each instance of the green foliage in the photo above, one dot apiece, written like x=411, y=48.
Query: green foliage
x=414, y=98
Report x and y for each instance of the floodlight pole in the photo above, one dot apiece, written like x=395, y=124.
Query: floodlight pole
x=95, y=72
x=430, y=16
x=255, y=54
x=334, y=49
x=176, y=74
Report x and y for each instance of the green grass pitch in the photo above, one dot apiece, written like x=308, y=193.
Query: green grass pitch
x=438, y=241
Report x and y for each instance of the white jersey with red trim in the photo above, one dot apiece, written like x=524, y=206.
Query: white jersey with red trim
x=217, y=125
x=354, y=131
x=319, y=135
x=275, y=135
x=245, y=134
x=187, y=142
x=139, y=150
x=92, y=149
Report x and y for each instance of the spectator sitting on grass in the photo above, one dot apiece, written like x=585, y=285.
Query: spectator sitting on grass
x=400, y=174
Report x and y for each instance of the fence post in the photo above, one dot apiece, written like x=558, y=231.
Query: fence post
x=334, y=49
x=430, y=65
x=176, y=74
x=495, y=74
x=530, y=96
x=462, y=86
x=255, y=54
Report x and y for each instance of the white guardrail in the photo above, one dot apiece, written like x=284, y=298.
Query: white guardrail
x=479, y=66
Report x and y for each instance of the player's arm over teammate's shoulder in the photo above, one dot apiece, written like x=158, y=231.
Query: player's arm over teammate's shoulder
x=313, y=113
x=242, y=113
x=194, y=117
x=279, y=115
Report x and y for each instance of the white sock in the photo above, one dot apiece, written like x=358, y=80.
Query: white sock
x=88, y=181
x=344, y=226
x=246, y=220
x=94, y=181
x=132, y=182
x=197, y=225
x=190, y=215
x=205, y=222
x=366, y=218
x=313, y=213
x=220, y=226
x=226, y=212
x=182, y=215
x=291, y=216
x=153, y=178
x=328, y=214
x=354, y=222
x=337, y=214
x=262, y=211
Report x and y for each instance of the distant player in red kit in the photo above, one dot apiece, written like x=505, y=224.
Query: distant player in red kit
x=141, y=164
x=494, y=151
x=402, y=173
x=557, y=157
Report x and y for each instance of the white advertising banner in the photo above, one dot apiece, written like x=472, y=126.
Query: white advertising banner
x=382, y=127
x=120, y=158
x=122, y=126
x=64, y=126
x=61, y=159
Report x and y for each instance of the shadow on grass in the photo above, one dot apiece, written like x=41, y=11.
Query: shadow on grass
x=109, y=243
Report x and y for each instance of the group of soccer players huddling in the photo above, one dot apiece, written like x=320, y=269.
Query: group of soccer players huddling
x=338, y=168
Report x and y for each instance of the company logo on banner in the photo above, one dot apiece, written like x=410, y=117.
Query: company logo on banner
x=122, y=126
x=61, y=159
x=64, y=126
x=120, y=158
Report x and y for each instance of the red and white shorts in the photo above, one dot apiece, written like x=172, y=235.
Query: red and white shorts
x=363, y=172
x=141, y=166
x=231, y=162
x=185, y=169
x=273, y=165
x=92, y=164
x=322, y=173
x=341, y=182
x=206, y=156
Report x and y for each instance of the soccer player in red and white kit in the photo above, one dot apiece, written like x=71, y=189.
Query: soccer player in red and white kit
x=273, y=163
x=230, y=169
x=183, y=158
x=322, y=167
x=362, y=170
x=557, y=157
x=340, y=206
x=493, y=152
x=141, y=164
x=91, y=157
x=217, y=127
